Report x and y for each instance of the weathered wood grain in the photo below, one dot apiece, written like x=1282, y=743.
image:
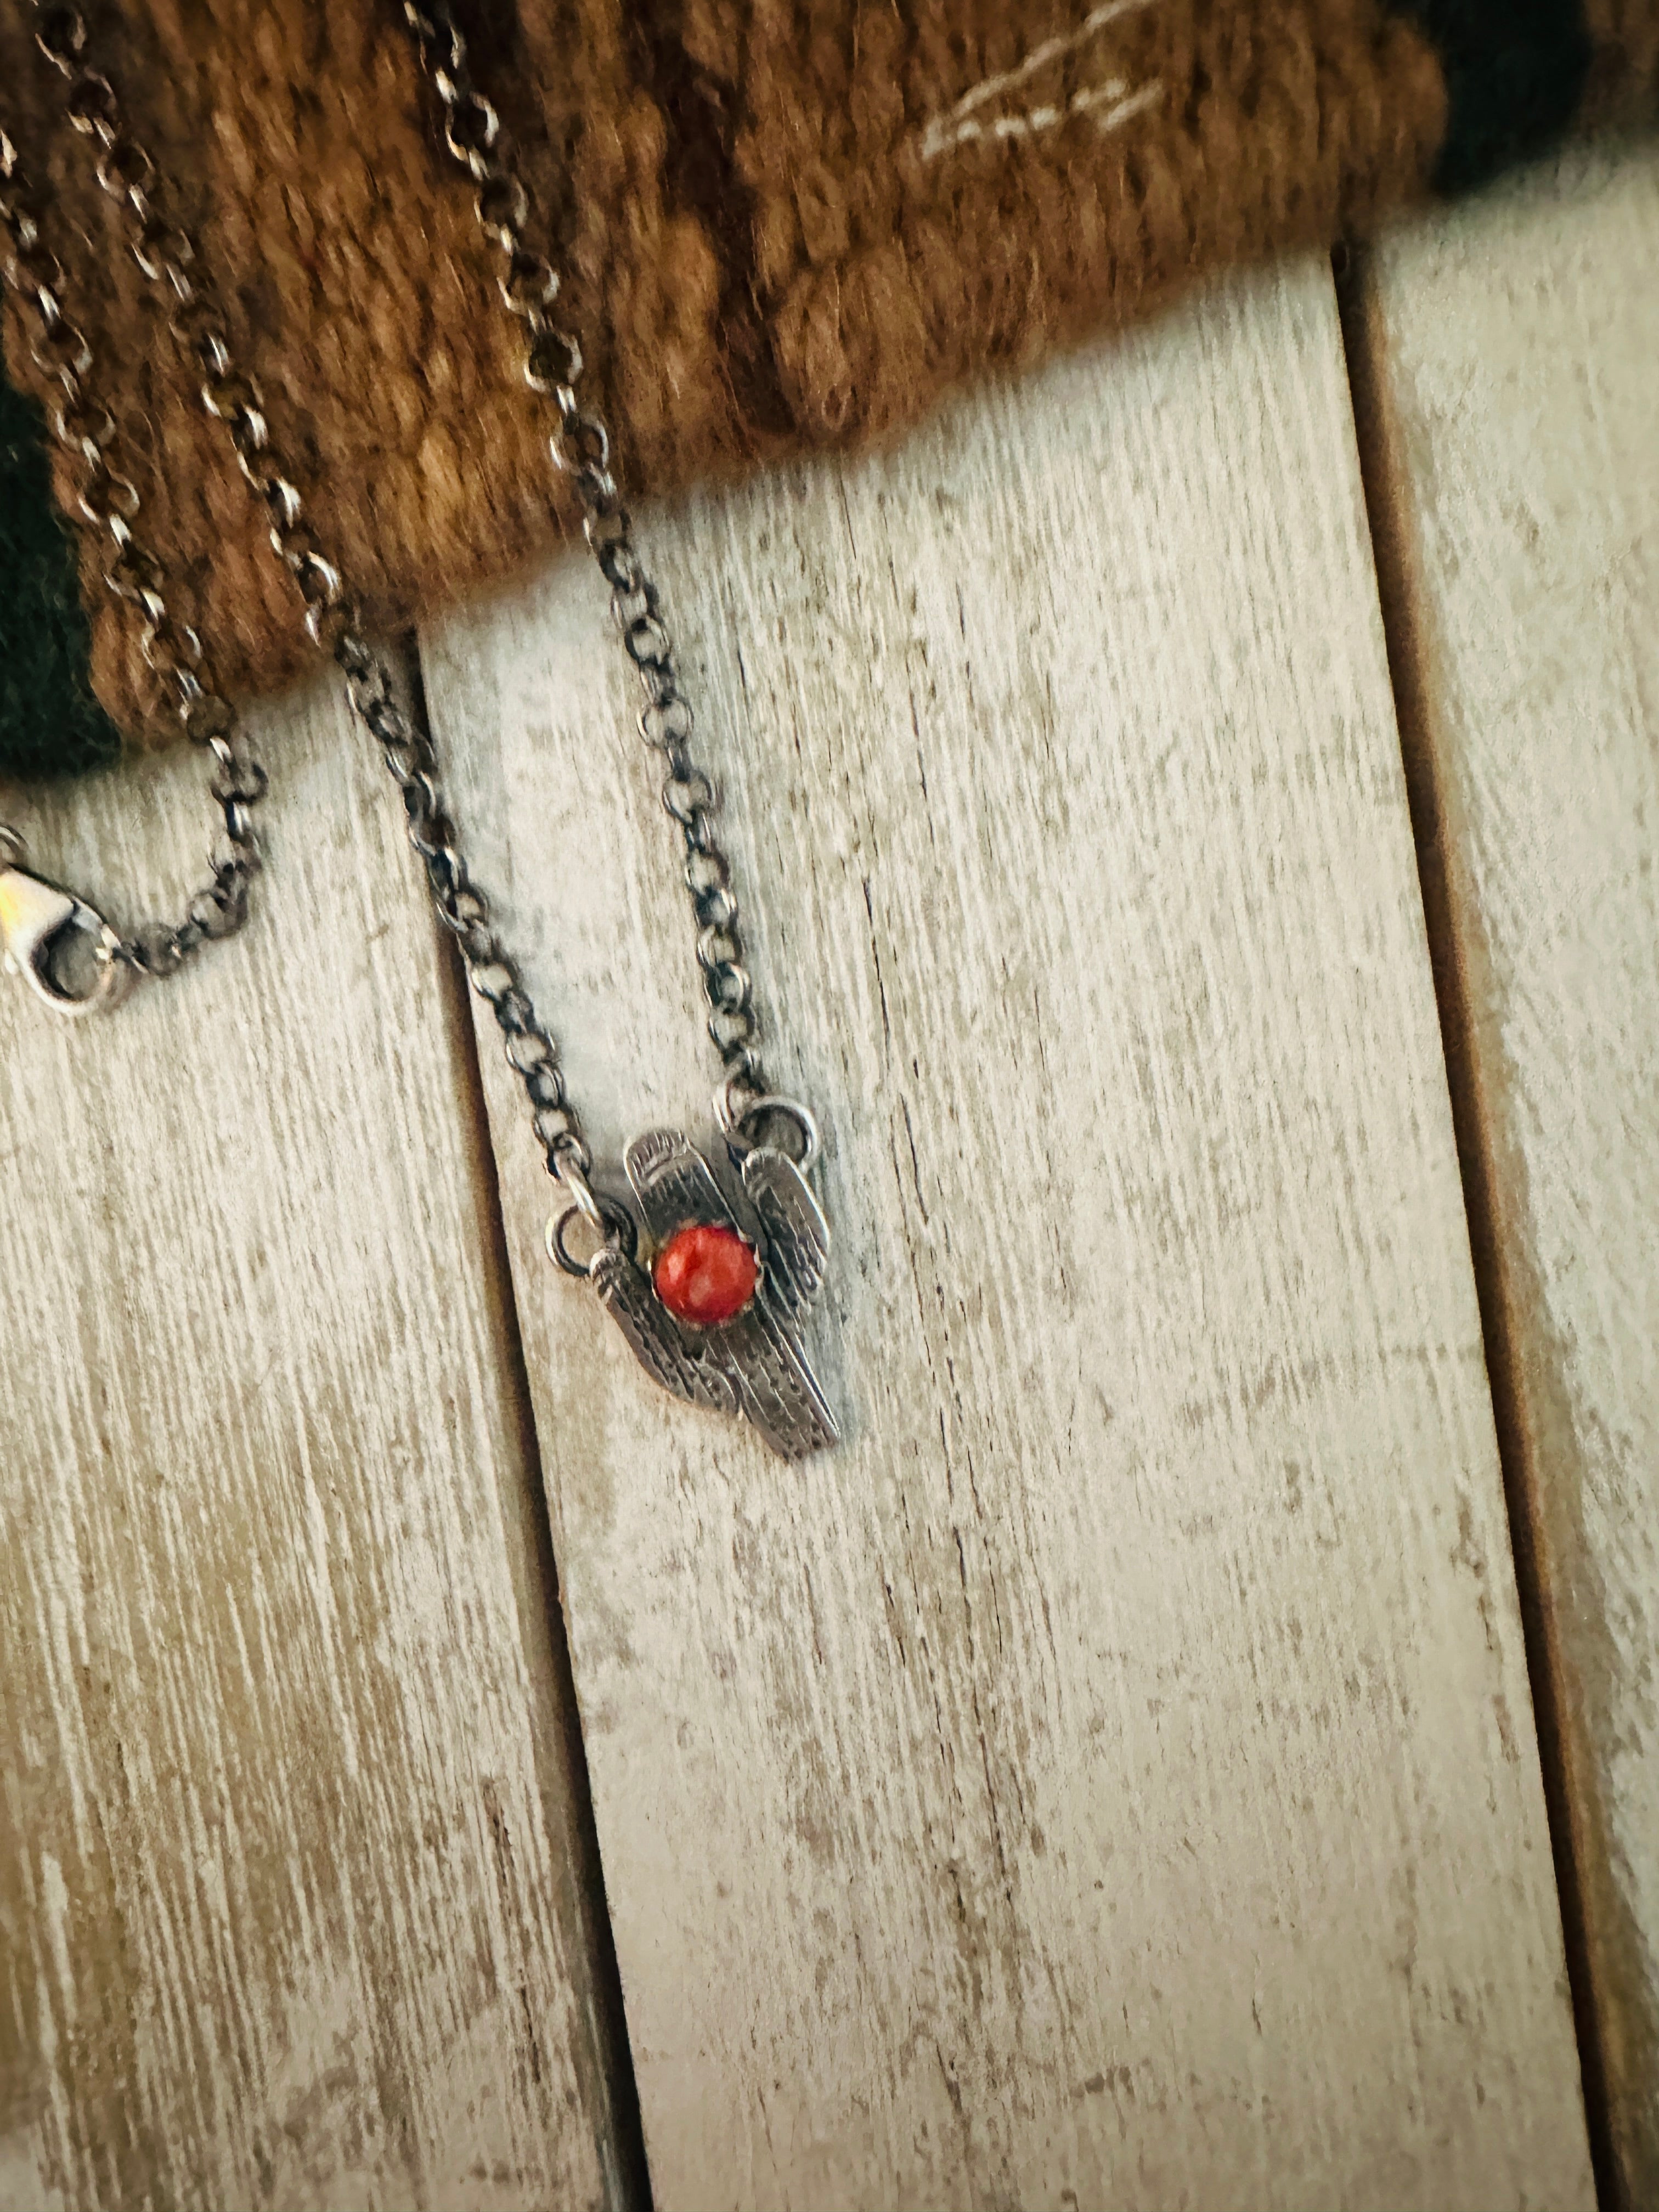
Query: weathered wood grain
x=1111, y=1778
x=1513, y=350
x=292, y=1912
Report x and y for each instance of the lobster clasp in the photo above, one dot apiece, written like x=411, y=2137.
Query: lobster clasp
x=37, y=924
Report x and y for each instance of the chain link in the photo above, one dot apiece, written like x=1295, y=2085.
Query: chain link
x=108, y=499
x=166, y=253
x=581, y=445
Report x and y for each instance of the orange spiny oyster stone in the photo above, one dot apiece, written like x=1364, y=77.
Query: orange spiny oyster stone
x=705, y=1273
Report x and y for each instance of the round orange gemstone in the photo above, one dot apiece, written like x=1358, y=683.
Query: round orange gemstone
x=705, y=1273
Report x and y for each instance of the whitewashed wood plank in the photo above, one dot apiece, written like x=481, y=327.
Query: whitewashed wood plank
x=1111, y=1778
x=1513, y=347
x=294, y=1916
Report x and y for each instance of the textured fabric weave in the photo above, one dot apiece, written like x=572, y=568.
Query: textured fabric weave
x=787, y=224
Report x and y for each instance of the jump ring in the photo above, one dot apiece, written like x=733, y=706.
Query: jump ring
x=612, y=1218
x=736, y=1124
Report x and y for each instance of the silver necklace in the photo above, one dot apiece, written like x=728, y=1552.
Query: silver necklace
x=710, y=1276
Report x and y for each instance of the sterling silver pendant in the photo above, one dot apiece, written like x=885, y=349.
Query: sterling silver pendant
x=716, y=1313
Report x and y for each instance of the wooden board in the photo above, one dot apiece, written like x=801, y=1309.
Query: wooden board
x=1512, y=362
x=295, y=1912
x=1110, y=1779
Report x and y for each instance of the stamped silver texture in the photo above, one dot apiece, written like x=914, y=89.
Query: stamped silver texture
x=752, y=1365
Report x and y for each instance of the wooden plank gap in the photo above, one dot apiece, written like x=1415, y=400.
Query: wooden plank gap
x=1105, y=1780
x=1381, y=479
x=296, y=1917
x=537, y=1530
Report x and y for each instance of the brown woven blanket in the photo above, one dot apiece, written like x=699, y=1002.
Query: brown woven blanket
x=786, y=223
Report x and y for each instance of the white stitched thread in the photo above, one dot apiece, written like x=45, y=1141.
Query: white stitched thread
x=1124, y=105
x=1049, y=51
x=938, y=134
x=1119, y=110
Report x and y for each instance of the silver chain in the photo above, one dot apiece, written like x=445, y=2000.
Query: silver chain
x=108, y=499
x=580, y=445
x=166, y=253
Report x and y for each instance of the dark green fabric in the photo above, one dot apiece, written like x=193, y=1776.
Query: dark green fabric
x=49, y=723
x=1515, y=75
